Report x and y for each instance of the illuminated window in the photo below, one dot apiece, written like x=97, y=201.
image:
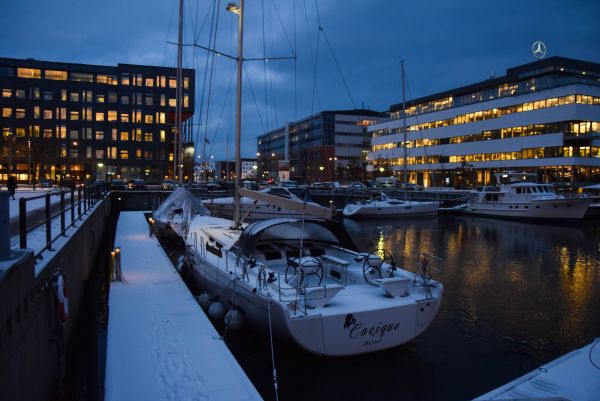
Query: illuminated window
x=172, y=102
x=124, y=135
x=186, y=82
x=20, y=93
x=114, y=134
x=7, y=112
x=138, y=153
x=137, y=80
x=148, y=137
x=99, y=116
x=148, y=154
x=162, y=100
x=61, y=131
x=20, y=132
x=55, y=75
x=162, y=135
x=99, y=98
x=148, y=119
x=20, y=113
x=73, y=115
x=62, y=150
x=124, y=117
x=29, y=73
x=186, y=100
x=63, y=95
x=99, y=135
x=88, y=152
x=125, y=79
x=102, y=79
x=36, y=131
x=112, y=115
x=47, y=114
x=172, y=82
x=48, y=133
x=7, y=92
x=124, y=154
x=87, y=96
x=163, y=81
x=138, y=135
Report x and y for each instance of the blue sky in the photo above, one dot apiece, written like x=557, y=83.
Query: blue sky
x=445, y=44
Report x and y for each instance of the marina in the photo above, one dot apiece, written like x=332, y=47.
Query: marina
x=517, y=295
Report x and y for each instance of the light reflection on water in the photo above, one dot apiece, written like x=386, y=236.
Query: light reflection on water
x=516, y=295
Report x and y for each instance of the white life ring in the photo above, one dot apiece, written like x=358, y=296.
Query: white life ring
x=60, y=289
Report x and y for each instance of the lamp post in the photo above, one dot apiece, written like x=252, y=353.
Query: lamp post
x=29, y=161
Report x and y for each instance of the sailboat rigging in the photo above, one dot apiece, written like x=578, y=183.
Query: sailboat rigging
x=318, y=289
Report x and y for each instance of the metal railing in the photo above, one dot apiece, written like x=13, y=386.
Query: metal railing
x=82, y=200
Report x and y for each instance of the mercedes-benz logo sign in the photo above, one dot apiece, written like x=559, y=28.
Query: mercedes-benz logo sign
x=538, y=49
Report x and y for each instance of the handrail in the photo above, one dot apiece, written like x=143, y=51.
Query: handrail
x=87, y=197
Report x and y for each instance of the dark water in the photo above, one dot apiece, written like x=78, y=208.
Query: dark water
x=517, y=295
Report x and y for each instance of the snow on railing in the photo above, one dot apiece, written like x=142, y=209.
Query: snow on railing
x=87, y=196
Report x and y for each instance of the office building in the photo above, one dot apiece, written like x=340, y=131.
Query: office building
x=89, y=122
x=541, y=117
x=327, y=146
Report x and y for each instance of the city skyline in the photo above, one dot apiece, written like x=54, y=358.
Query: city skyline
x=446, y=46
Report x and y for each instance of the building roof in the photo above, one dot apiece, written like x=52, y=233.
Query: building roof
x=536, y=68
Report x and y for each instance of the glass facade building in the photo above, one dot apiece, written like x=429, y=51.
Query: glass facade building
x=542, y=117
x=328, y=146
x=89, y=122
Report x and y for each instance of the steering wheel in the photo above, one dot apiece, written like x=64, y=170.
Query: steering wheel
x=307, y=266
x=373, y=263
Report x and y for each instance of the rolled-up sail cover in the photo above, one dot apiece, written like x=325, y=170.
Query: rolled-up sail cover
x=294, y=229
x=180, y=205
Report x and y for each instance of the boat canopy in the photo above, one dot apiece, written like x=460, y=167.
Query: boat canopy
x=180, y=202
x=293, y=229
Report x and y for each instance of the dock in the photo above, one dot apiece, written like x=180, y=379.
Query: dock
x=160, y=344
x=572, y=377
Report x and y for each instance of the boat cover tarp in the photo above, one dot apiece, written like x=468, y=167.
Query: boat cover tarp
x=293, y=229
x=180, y=205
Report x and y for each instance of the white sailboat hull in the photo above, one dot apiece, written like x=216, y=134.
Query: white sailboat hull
x=385, y=209
x=362, y=319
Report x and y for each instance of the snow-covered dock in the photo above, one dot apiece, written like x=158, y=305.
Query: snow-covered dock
x=574, y=377
x=161, y=345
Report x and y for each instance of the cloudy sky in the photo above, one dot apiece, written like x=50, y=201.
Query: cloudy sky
x=353, y=61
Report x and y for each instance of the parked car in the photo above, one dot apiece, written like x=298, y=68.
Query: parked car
x=46, y=184
x=357, y=186
x=288, y=183
x=136, y=184
x=167, y=185
x=117, y=185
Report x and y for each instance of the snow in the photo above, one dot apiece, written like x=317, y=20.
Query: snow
x=35, y=204
x=161, y=345
x=36, y=238
x=573, y=376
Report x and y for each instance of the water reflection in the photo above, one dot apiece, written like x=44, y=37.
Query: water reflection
x=517, y=295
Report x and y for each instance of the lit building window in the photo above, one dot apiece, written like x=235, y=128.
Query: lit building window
x=148, y=136
x=162, y=135
x=124, y=135
x=99, y=98
x=99, y=116
x=55, y=75
x=7, y=92
x=149, y=82
x=99, y=135
x=112, y=115
x=7, y=112
x=47, y=114
x=172, y=82
x=124, y=154
x=29, y=73
x=82, y=77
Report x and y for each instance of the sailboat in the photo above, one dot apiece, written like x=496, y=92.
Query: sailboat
x=304, y=276
x=380, y=205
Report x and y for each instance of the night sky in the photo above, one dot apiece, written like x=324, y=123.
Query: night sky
x=445, y=44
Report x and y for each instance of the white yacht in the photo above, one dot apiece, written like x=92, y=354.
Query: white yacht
x=306, y=276
x=517, y=195
x=380, y=205
x=253, y=209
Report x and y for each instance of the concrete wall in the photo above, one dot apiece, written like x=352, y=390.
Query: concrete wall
x=33, y=343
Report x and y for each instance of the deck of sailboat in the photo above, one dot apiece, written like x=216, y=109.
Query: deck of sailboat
x=340, y=269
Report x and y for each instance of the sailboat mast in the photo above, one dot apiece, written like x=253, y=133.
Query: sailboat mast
x=178, y=146
x=404, y=126
x=238, y=116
